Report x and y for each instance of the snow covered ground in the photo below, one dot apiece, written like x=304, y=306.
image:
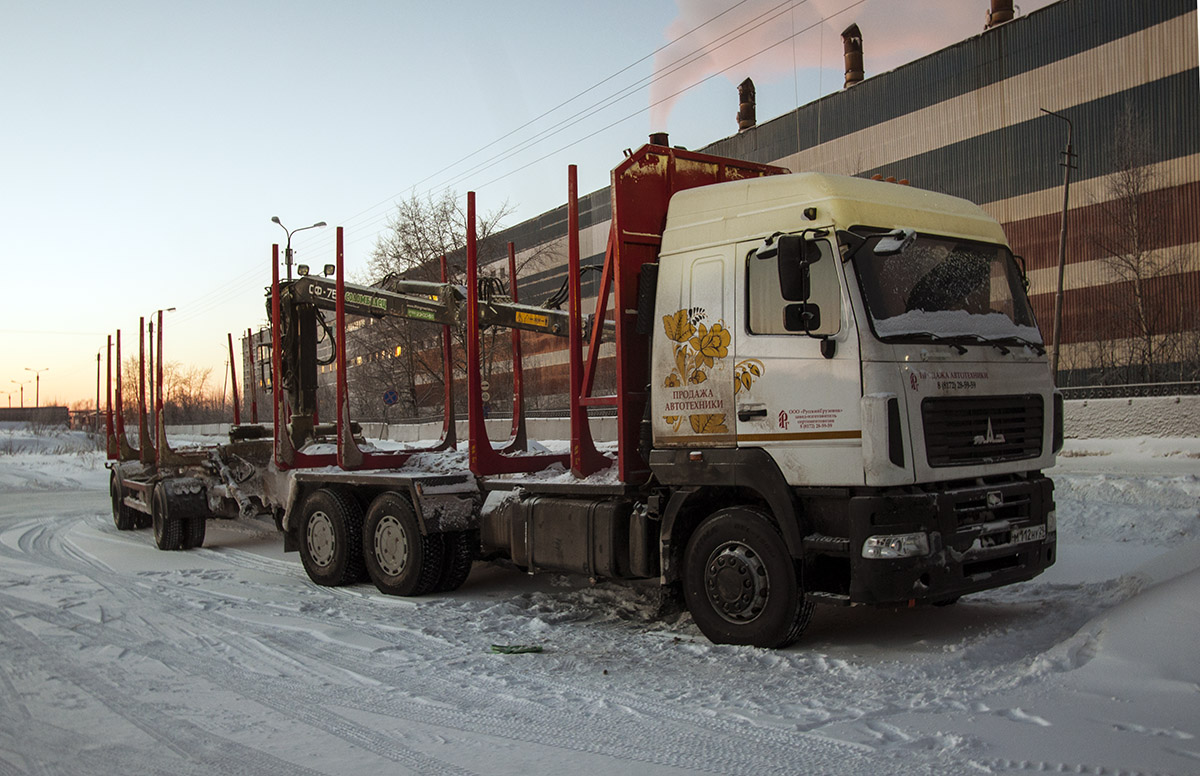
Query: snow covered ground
x=118, y=658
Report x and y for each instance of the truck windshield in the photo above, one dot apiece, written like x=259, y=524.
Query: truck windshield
x=945, y=288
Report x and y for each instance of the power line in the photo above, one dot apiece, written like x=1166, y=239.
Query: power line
x=582, y=114
x=684, y=61
x=351, y=220
x=317, y=242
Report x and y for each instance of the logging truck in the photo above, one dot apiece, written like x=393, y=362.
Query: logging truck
x=829, y=390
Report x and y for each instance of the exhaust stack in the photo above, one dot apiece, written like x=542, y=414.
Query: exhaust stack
x=1001, y=12
x=852, y=45
x=746, y=117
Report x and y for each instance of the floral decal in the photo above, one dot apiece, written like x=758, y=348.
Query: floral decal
x=699, y=345
x=745, y=373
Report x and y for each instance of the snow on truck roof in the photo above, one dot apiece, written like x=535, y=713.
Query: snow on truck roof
x=756, y=207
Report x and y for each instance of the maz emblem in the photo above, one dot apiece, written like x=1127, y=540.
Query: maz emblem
x=989, y=438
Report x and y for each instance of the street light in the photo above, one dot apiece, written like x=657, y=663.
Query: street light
x=287, y=253
x=37, y=385
x=14, y=382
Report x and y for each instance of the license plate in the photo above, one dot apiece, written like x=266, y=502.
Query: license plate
x=1032, y=533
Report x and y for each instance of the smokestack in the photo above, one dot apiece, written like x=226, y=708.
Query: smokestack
x=852, y=44
x=1001, y=12
x=659, y=138
x=746, y=114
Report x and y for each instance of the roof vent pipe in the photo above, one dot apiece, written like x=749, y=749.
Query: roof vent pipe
x=659, y=138
x=746, y=118
x=852, y=44
x=1001, y=12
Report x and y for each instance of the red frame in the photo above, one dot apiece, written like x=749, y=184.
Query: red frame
x=642, y=186
x=237, y=413
x=483, y=458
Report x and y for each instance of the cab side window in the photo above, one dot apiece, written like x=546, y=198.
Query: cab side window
x=768, y=312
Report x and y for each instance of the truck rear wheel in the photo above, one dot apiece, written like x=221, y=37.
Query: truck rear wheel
x=741, y=584
x=193, y=532
x=123, y=517
x=168, y=530
x=460, y=551
x=331, y=538
x=400, y=559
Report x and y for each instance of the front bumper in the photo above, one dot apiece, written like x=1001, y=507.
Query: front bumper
x=979, y=537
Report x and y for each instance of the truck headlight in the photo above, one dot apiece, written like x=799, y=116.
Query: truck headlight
x=896, y=546
x=1051, y=522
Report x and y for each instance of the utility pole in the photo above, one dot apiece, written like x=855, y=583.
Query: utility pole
x=1068, y=164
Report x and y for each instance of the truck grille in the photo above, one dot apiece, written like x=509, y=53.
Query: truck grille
x=965, y=430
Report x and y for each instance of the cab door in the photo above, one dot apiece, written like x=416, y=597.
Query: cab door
x=796, y=369
x=692, y=391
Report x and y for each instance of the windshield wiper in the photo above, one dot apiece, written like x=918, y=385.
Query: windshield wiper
x=982, y=340
x=937, y=338
x=1036, y=347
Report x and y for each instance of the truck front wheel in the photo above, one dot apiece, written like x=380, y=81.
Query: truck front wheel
x=400, y=559
x=331, y=538
x=741, y=584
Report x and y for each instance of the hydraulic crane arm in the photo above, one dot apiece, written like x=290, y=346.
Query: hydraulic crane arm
x=439, y=303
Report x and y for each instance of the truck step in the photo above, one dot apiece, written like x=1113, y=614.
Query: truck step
x=829, y=599
x=827, y=545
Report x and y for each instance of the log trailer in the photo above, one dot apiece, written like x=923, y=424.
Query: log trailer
x=828, y=390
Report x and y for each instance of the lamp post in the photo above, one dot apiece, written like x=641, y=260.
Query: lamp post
x=287, y=252
x=97, y=429
x=14, y=382
x=37, y=385
x=1068, y=163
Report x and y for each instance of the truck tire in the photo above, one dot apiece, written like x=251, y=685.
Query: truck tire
x=168, y=530
x=741, y=584
x=461, y=547
x=400, y=559
x=331, y=538
x=193, y=532
x=123, y=517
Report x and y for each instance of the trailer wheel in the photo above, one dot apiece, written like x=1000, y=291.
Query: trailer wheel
x=193, y=532
x=123, y=517
x=168, y=530
x=331, y=538
x=460, y=551
x=741, y=584
x=400, y=559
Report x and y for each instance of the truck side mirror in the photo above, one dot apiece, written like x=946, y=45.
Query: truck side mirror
x=795, y=256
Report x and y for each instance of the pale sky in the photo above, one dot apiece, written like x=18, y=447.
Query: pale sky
x=144, y=146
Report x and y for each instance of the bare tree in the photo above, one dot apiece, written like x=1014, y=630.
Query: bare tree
x=400, y=355
x=1133, y=217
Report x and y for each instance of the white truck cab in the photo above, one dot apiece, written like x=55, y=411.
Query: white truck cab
x=861, y=356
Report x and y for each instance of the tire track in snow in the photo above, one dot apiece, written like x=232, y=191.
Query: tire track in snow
x=694, y=735
x=199, y=753
x=694, y=743
x=302, y=704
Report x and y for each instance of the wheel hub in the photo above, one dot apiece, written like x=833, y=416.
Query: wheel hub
x=735, y=579
x=321, y=539
x=391, y=546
